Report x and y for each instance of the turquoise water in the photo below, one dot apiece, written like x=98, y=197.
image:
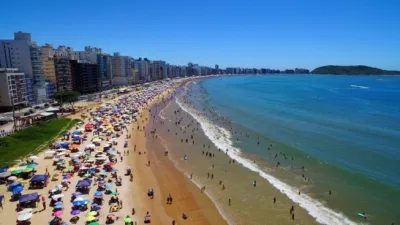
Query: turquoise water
x=344, y=130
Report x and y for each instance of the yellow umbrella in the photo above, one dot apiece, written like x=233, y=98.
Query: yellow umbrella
x=12, y=169
x=92, y=213
x=90, y=218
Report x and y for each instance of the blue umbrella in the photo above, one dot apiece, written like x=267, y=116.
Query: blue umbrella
x=76, y=194
x=13, y=184
x=98, y=193
x=78, y=203
x=102, y=182
x=4, y=169
x=58, y=203
x=109, y=186
x=17, y=189
x=59, y=206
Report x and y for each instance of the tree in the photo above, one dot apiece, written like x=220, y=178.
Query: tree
x=67, y=96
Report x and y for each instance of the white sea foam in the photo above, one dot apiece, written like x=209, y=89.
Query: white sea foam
x=359, y=86
x=221, y=138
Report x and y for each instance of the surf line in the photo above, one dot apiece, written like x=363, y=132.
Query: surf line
x=359, y=86
x=316, y=209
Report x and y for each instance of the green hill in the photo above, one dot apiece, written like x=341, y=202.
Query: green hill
x=352, y=70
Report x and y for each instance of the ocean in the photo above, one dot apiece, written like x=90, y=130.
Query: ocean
x=329, y=144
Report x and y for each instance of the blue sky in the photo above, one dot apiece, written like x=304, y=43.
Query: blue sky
x=253, y=33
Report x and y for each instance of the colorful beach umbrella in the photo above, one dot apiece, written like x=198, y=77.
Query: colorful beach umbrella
x=15, y=172
x=90, y=218
x=92, y=213
x=58, y=213
x=75, y=212
x=94, y=223
x=115, y=193
x=128, y=220
x=76, y=194
x=32, y=165
x=109, y=186
x=24, y=216
x=17, y=189
x=59, y=206
x=12, y=178
x=27, y=170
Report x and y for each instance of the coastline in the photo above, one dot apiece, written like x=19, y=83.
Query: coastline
x=166, y=179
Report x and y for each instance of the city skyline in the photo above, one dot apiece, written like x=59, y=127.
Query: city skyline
x=259, y=34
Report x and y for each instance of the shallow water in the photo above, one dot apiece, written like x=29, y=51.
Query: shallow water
x=344, y=130
x=346, y=141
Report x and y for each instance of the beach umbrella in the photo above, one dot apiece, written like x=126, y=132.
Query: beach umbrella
x=12, y=168
x=27, y=170
x=13, y=184
x=57, y=196
x=4, y=169
x=115, y=193
x=92, y=213
x=15, y=172
x=24, y=216
x=32, y=165
x=27, y=210
x=50, y=152
x=58, y=213
x=75, y=212
x=33, y=157
x=58, y=203
x=128, y=220
x=5, y=174
x=109, y=186
x=90, y=218
x=94, y=223
x=98, y=193
x=17, y=189
x=76, y=194
x=59, y=206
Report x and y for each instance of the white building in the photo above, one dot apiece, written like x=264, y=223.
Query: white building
x=12, y=87
x=65, y=52
x=89, y=55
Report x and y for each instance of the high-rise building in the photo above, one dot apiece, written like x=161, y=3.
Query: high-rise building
x=24, y=54
x=49, y=70
x=158, y=70
x=84, y=77
x=89, y=55
x=65, y=52
x=63, y=74
x=12, y=87
x=143, y=70
x=122, y=69
x=104, y=70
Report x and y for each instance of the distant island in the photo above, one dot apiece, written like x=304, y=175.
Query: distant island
x=353, y=70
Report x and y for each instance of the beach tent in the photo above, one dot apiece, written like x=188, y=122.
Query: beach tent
x=4, y=169
x=83, y=183
x=39, y=178
x=4, y=175
x=29, y=197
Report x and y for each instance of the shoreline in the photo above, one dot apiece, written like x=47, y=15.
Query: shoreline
x=186, y=196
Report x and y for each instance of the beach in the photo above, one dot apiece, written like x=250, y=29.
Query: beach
x=161, y=176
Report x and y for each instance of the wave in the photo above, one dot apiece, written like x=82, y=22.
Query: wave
x=221, y=138
x=359, y=86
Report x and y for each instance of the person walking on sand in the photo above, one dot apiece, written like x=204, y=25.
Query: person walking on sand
x=229, y=201
x=274, y=200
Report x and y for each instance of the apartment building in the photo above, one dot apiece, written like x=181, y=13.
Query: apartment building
x=12, y=87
